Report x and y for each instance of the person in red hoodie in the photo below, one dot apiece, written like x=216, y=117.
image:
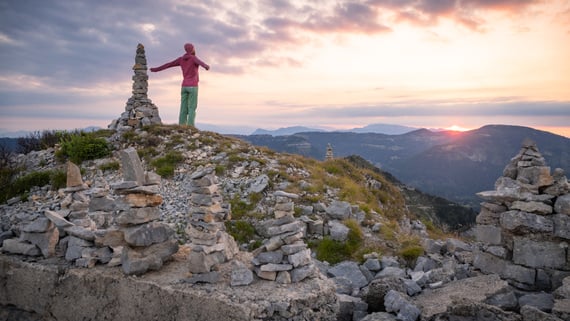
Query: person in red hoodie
x=189, y=64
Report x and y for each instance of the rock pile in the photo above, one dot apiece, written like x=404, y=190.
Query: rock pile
x=211, y=245
x=147, y=243
x=284, y=256
x=96, y=228
x=139, y=110
x=525, y=224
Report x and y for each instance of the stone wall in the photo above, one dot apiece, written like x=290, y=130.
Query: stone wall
x=51, y=293
x=524, y=224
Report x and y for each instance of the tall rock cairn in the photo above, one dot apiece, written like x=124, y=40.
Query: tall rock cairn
x=524, y=224
x=211, y=245
x=139, y=110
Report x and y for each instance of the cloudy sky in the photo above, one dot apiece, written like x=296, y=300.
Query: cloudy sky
x=324, y=64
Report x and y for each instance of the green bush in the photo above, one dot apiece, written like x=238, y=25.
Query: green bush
x=58, y=179
x=240, y=209
x=83, y=146
x=22, y=185
x=334, y=251
x=242, y=231
x=165, y=165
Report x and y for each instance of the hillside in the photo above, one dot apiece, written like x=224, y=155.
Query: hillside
x=248, y=176
x=453, y=165
x=205, y=226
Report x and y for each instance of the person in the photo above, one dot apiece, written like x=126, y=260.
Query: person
x=189, y=64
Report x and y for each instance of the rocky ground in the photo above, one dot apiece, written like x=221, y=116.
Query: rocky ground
x=441, y=284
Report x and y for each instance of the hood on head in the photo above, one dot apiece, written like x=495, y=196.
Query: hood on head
x=189, y=48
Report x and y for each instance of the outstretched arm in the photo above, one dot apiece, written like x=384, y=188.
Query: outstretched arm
x=201, y=63
x=173, y=63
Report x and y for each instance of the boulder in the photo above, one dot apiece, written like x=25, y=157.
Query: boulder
x=147, y=234
x=351, y=271
x=562, y=204
x=475, y=289
x=399, y=303
x=339, y=210
x=374, y=293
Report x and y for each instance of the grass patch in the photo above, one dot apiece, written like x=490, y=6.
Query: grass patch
x=334, y=251
x=242, y=231
x=110, y=166
x=166, y=165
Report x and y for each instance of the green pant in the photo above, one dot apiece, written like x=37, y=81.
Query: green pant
x=188, y=104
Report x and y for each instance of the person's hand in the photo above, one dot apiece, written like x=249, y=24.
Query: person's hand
x=207, y=67
x=153, y=69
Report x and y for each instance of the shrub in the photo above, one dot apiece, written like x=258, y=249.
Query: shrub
x=58, y=179
x=165, y=165
x=242, y=231
x=83, y=146
x=335, y=251
x=240, y=209
x=22, y=185
x=332, y=251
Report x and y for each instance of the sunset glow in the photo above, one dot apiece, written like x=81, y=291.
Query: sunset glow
x=333, y=65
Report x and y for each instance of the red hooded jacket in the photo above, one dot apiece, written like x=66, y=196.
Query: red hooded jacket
x=189, y=64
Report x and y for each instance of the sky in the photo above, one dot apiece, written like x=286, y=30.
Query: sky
x=323, y=64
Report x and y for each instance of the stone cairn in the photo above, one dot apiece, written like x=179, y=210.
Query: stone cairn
x=284, y=256
x=139, y=110
x=147, y=242
x=211, y=245
x=95, y=228
x=524, y=224
x=329, y=155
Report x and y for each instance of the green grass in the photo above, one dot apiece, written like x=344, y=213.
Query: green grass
x=166, y=165
x=334, y=251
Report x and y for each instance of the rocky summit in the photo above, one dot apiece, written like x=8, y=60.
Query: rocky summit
x=171, y=241
x=182, y=224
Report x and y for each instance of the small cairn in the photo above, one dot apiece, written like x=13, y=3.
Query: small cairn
x=329, y=155
x=524, y=224
x=139, y=110
x=211, y=245
x=284, y=257
x=147, y=242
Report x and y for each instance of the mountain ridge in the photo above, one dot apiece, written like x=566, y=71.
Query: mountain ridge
x=450, y=164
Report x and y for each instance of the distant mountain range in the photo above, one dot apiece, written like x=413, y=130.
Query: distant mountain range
x=372, y=128
x=453, y=165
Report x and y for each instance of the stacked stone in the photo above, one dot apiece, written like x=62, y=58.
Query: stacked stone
x=211, y=245
x=146, y=243
x=524, y=224
x=139, y=110
x=74, y=220
x=284, y=257
x=329, y=154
